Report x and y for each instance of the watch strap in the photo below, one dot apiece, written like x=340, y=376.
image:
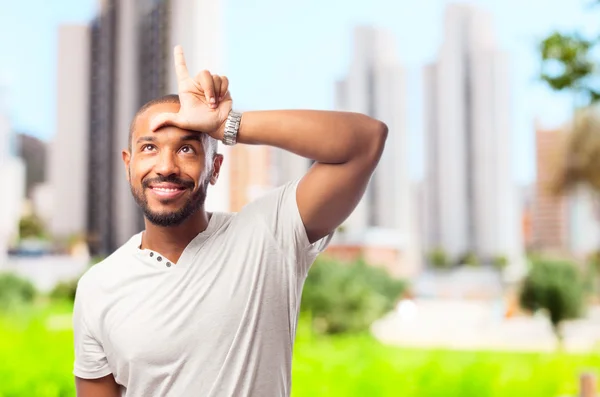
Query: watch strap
x=232, y=126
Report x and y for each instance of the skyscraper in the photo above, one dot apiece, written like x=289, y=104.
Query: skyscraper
x=471, y=200
x=375, y=86
x=68, y=173
x=12, y=174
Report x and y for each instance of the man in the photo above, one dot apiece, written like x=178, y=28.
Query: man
x=206, y=304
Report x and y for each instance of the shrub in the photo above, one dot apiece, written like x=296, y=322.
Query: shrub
x=500, y=262
x=31, y=227
x=348, y=297
x=556, y=287
x=468, y=259
x=64, y=290
x=438, y=259
x=15, y=291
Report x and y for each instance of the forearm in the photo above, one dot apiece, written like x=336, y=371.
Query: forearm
x=323, y=136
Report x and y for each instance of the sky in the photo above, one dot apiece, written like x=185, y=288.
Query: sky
x=288, y=54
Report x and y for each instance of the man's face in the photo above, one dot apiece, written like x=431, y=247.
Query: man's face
x=167, y=170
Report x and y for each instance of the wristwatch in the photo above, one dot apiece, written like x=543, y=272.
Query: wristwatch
x=232, y=126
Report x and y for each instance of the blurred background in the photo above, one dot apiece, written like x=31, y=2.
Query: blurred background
x=470, y=268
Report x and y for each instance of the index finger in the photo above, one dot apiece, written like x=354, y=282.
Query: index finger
x=180, y=66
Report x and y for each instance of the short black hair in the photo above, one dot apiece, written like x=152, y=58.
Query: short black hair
x=210, y=144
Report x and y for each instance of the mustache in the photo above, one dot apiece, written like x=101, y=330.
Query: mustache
x=169, y=179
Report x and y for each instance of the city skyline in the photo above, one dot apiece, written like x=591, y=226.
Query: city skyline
x=317, y=55
x=471, y=198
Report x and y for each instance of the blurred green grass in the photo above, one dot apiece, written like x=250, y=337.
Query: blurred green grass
x=36, y=357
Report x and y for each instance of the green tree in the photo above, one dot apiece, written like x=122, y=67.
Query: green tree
x=555, y=287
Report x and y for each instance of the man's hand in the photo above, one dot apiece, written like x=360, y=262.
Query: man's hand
x=205, y=101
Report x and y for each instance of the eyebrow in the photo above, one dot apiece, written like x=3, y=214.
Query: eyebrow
x=146, y=139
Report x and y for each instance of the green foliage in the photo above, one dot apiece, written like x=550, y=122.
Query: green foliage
x=348, y=297
x=556, y=287
x=567, y=64
x=15, y=292
x=31, y=227
x=64, y=290
x=438, y=259
x=469, y=259
x=500, y=262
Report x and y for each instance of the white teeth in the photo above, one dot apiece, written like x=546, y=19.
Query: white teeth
x=166, y=190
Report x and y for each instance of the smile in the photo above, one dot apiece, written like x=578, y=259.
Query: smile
x=167, y=192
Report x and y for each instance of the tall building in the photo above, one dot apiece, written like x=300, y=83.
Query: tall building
x=34, y=152
x=375, y=86
x=562, y=223
x=12, y=174
x=5, y=127
x=131, y=63
x=550, y=210
x=471, y=199
x=383, y=227
x=68, y=173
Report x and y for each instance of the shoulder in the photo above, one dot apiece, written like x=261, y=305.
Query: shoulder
x=273, y=200
x=106, y=269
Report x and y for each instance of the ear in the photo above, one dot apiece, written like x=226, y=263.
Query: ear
x=126, y=155
x=217, y=162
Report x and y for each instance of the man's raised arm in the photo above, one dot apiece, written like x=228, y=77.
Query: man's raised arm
x=346, y=148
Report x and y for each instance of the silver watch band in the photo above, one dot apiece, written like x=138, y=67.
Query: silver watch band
x=232, y=126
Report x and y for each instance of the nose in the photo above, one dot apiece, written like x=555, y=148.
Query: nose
x=166, y=164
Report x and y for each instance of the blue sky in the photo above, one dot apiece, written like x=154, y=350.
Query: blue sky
x=287, y=54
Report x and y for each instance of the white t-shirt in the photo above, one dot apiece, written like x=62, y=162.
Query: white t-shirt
x=220, y=322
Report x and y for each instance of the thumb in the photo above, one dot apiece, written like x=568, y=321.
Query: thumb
x=165, y=119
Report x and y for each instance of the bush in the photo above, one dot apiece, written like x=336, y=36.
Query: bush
x=468, y=259
x=500, y=262
x=438, y=259
x=556, y=287
x=65, y=290
x=15, y=291
x=31, y=227
x=348, y=297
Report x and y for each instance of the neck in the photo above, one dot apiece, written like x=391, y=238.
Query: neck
x=172, y=240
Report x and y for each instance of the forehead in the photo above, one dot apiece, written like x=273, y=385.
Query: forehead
x=142, y=122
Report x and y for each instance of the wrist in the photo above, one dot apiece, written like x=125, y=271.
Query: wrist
x=230, y=128
x=220, y=131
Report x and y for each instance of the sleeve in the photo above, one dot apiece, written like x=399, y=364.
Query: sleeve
x=278, y=211
x=90, y=359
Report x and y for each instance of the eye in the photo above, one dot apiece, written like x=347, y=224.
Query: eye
x=187, y=149
x=147, y=147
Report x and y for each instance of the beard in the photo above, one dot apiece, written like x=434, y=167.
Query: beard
x=172, y=218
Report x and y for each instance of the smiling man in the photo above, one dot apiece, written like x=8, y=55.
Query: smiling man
x=206, y=304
